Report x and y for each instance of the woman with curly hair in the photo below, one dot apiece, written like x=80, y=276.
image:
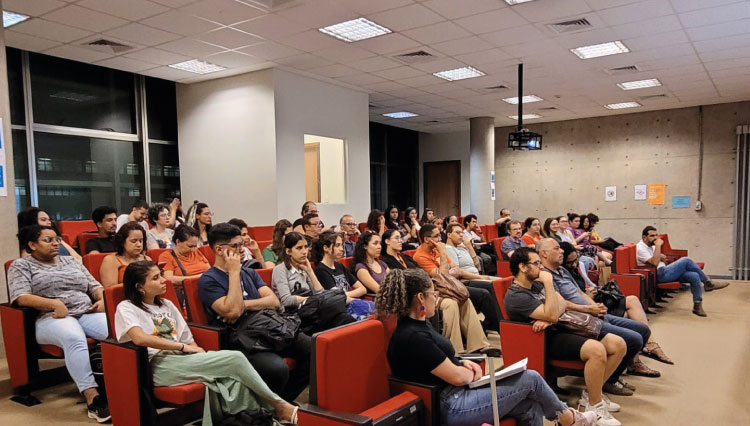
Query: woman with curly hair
x=366, y=263
x=130, y=242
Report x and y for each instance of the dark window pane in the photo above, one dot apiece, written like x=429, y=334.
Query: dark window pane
x=165, y=172
x=77, y=174
x=161, y=106
x=15, y=87
x=21, y=170
x=73, y=94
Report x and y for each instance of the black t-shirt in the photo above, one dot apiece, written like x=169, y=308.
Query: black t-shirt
x=416, y=349
x=339, y=276
x=102, y=245
x=393, y=263
x=520, y=302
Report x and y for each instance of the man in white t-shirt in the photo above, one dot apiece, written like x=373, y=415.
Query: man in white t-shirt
x=648, y=253
x=138, y=213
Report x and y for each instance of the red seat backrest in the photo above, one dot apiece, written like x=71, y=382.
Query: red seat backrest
x=632, y=262
x=622, y=260
x=93, y=262
x=208, y=253
x=498, y=242
x=265, y=275
x=74, y=227
x=194, y=303
x=501, y=287
x=337, y=383
x=7, y=266
x=261, y=232
x=83, y=238
x=115, y=294
x=362, y=226
x=346, y=261
x=263, y=244
x=154, y=254
x=490, y=232
x=666, y=248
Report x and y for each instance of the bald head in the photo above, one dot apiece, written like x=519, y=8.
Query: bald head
x=550, y=253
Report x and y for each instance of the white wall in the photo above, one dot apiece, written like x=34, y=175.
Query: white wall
x=228, y=148
x=446, y=147
x=332, y=168
x=308, y=106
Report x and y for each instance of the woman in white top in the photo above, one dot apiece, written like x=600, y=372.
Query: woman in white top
x=160, y=236
x=147, y=320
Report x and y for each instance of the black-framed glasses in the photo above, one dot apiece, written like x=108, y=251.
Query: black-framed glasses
x=51, y=240
x=237, y=246
x=537, y=263
x=572, y=261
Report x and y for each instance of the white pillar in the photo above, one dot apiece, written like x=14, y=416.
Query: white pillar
x=481, y=165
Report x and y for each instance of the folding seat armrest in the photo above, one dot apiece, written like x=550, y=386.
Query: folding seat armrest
x=126, y=375
x=20, y=341
x=209, y=337
x=312, y=415
x=677, y=252
x=429, y=394
x=520, y=341
x=630, y=284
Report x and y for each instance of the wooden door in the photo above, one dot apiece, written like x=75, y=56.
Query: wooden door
x=312, y=171
x=442, y=187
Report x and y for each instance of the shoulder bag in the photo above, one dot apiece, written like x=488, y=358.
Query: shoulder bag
x=581, y=323
x=264, y=330
x=449, y=287
x=609, y=295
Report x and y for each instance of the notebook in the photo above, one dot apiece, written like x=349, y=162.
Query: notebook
x=514, y=369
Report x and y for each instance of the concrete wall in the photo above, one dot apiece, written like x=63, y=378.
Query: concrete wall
x=446, y=147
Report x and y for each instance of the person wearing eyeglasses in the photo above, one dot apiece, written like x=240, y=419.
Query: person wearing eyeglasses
x=70, y=303
x=160, y=236
x=311, y=226
x=350, y=233
x=309, y=207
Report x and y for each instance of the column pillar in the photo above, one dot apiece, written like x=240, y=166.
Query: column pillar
x=481, y=164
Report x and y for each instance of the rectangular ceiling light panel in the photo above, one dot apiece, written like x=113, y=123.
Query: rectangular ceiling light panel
x=526, y=99
x=514, y=2
x=598, y=50
x=459, y=74
x=640, y=84
x=355, y=30
x=198, y=67
x=526, y=116
x=401, y=114
x=623, y=105
x=12, y=18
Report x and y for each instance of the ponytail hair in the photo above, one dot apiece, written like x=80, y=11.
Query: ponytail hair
x=398, y=289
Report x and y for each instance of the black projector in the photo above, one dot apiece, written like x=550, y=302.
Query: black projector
x=525, y=140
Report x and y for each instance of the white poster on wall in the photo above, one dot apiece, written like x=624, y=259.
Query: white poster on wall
x=641, y=192
x=3, y=177
x=610, y=193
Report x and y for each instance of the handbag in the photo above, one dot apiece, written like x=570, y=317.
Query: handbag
x=609, y=295
x=581, y=323
x=449, y=287
x=321, y=309
x=264, y=330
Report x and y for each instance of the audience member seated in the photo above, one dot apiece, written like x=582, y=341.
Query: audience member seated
x=36, y=216
x=502, y=223
x=366, y=265
x=176, y=217
x=326, y=252
x=607, y=243
x=271, y=253
x=311, y=226
x=418, y=353
x=514, y=241
x=376, y=222
x=485, y=251
x=564, y=234
x=62, y=290
x=427, y=216
x=233, y=385
x=349, y=233
x=129, y=248
x=138, y=213
x=391, y=251
x=574, y=222
x=411, y=223
x=550, y=228
x=230, y=292
x=184, y=261
x=532, y=234
x=684, y=270
x=582, y=266
x=105, y=218
x=203, y=221
x=632, y=332
x=251, y=254
x=460, y=322
x=160, y=236
x=438, y=222
x=589, y=249
x=309, y=207
x=391, y=218
x=532, y=298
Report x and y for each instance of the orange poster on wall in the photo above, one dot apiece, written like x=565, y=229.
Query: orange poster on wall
x=656, y=193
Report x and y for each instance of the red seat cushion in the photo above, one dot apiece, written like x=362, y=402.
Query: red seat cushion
x=180, y=395
x=570, y=365
x=700, y=264
x=673, y=285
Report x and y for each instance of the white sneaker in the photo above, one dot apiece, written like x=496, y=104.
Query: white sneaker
x=612, y=406
x=584, y=419
x=603, y=418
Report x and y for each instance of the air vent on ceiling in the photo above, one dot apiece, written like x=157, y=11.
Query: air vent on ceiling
x=653, y=97
x=628, y=69
x=269, y=5
x=498, y=87
x=108, y=46
x=432, y=121
x=548, y=109
x=570, y=26
x=417, y=57
x=371, y=106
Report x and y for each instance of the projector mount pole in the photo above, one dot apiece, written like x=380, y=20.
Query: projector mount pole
x=520, y=97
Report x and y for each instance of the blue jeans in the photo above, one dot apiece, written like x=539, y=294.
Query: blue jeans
x=70, y=334
x=684, y=270
x=635, y=335
x=585, y=265
x=525, y=397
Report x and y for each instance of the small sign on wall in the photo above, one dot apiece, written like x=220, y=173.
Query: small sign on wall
x=681, y=202
x=656, y=193
x=641, y=193
x=610, y=193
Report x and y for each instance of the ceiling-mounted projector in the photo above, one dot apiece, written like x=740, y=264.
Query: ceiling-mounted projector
x=525, y=140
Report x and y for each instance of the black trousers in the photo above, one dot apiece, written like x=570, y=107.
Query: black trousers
x=271, y=366
x=482, y=296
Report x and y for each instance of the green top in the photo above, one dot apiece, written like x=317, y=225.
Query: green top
x=269, y=255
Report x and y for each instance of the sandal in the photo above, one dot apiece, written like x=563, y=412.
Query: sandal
x=654, y=351
x=641, y=369
x=293, y=419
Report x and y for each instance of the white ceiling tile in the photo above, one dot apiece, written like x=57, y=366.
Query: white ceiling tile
x=174, y=3
x=317, y=15
x=437, y=65
x=731, y=42
x=312, y=40
x=179, y=22
x=491, y=21
x=304, y=61
x=76, y=53
x=142, y=34
x=87, y=19
x=27, y=42
x=437, y=33
x=225, y=12
x=393, y=102
x=385, y=86
x=377, y=97
x=408, y=92
x=484, y=57
x=361, y=79
x=132, y=10
x=50, y=30
x=725, y=29
x=453, y=9
x=346, y=53
x=399, y=73
x=634, y=12
x=192, y=48
x=541, y=11
x=406, y=17
x=729, y=63
x=681, y=6
x=167, y=73
x=462, y=46
x=420, y=81
x=376, y=63
x=650, y=42
x=440, y=87
x=717, y=55
x=606, y=4
x=388, y=43
x=270, y=50
x=232, y=59
x=514, y=36
x=271, y=26
x=32, y=8
x=157, y=56
x=333, y=71
x=716, y=14
x=368, y=6
x=229, y=38
x=672, y=65
x=729, y=72
x=660, y=24
x=126, y=64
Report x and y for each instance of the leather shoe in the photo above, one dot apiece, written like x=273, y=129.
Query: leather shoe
x=715, y=285
x=698, y=309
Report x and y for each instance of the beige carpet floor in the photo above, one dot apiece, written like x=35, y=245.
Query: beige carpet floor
x=708, y=385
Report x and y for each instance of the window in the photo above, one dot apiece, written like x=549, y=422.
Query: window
x=21, y=170
x=15, y=86
x=161, y=107
x=394, y=155
x=165, y=172
x=325, y=169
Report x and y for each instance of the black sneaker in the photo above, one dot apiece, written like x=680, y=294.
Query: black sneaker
x=98, y=410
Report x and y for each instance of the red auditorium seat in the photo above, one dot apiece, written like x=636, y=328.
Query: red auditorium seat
x=674, y=254
x=503, y=266
x=154, y=254
x=83, y=238
x=346, y=261
x=262, y=244
x=93, y=262
x=263, y=233
x=208, y=253
x=71, y=228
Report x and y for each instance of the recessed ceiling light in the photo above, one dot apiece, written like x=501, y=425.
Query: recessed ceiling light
x=640, y=84
x=514, y=2
x=355, y=30
x=12, y=18
x=401, y=114
x=198, y=67
x=459, y=74
x=597, y=50
x=526, y=99
x=526, y=116
x=622, y=105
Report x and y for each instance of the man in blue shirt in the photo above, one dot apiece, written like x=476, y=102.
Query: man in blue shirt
x=513, y=241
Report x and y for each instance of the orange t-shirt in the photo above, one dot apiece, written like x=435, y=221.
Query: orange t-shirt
x=194, y=263
x=529, y=240
x=428, y=260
